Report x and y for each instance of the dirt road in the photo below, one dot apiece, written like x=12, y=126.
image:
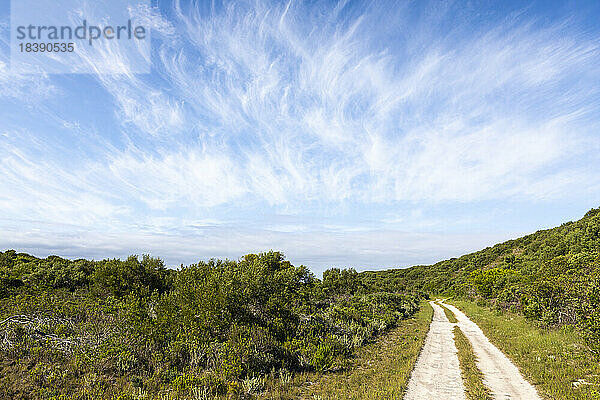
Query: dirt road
x=437, y=373
x=500, y=375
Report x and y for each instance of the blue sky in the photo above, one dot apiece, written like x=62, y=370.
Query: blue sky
x=359, y=134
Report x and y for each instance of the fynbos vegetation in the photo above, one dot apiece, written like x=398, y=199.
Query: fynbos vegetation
x=135, y=329
x=551, y=276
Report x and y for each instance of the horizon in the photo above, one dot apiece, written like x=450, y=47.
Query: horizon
x=343, y=134
x=319, y=275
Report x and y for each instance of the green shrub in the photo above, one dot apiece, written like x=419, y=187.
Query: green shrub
x=324, y=354
x=132, y=329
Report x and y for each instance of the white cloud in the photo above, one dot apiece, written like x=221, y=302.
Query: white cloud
x=203, y=179
x=330, y=114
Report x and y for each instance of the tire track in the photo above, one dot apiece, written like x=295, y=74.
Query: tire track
x=437, y=372
x=500, y=375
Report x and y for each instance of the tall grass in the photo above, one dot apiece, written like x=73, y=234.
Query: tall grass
x=381, y=369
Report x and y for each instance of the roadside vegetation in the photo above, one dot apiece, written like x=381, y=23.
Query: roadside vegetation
x=381, y=369
x=134, y=329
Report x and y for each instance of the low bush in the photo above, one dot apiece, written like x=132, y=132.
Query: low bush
x=133, y=329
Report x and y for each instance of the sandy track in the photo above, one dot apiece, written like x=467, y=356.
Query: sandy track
x=437, y=372
x=499, y=373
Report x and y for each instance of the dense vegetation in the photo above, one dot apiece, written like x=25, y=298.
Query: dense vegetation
x=381, y=370
x=135, y=329
x=551, y=276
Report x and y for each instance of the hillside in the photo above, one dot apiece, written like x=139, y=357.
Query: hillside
x=551, y=276
x=124, y=329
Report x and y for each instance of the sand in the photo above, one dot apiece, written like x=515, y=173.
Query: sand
x=437, y=373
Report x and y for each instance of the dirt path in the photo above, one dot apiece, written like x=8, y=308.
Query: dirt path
x=437, y=372
x=499, y=373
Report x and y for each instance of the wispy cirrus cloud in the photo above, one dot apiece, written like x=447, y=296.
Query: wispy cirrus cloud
x=331, y=100
x=26, y=88
x=259, y=109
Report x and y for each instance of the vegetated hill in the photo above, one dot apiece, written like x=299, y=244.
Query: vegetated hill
x=135, y=329
x=552, y=276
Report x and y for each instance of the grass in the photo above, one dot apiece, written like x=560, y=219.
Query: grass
x=449, y=314
x=472, y=376
x=552, y=360
x=380, y=371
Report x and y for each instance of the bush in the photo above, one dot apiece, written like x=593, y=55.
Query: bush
x=132, y=329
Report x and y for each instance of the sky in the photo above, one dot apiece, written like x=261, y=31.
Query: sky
x=344, y=134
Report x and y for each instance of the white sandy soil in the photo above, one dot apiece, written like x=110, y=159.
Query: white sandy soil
x=437, y=372
x=500, y=375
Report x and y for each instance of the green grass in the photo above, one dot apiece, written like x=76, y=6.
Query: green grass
x=380, y=371
x=472, y=376
x=550, y=359
x=449, y=314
